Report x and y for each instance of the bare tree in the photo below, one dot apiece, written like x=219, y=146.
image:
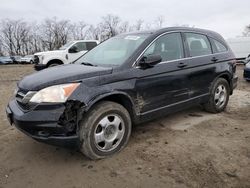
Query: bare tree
x=246, y=32
x=14, y=35
x=1, y=48
x=124, y=27
x=109, y=26
x=137, y=26
x=159, y=22
x=94, y=32
x=7, y=36
x=34, y=42
x=79, y=30
x=54, y=33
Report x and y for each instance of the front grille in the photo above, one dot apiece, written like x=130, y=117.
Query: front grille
x=36, y=59
x=22, y=98
x=24, y=106
x=20, y=95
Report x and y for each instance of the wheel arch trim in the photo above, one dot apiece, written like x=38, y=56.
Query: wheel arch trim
x=132, y=110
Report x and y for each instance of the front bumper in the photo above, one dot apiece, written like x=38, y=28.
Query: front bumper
x=246, y=73
x=39, y=67
x=42, y=124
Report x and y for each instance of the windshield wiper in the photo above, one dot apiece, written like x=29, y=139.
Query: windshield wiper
x=87, y=64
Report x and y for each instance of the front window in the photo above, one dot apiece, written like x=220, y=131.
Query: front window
x=113, y=52
x=168, y=46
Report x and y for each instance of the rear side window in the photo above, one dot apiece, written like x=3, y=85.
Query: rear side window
x=198, y=44
x=81, y=46
x=168, y=46
x=91, y=45
x=218, y=46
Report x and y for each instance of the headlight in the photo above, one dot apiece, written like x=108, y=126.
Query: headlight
x=54, y=94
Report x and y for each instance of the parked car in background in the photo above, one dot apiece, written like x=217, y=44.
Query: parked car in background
x=16, y=59
x=28, y=59
x=240, y=47
x=247, y=60
x=6, y=60
x=65, y=55
x=128, y=79
x=246, y=73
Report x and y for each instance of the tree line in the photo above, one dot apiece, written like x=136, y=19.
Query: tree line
x=19, y=37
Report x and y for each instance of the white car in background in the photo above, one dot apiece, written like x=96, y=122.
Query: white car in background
x=65, y=55
x=28, y=59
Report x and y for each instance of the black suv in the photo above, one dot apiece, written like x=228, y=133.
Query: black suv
x=128, y=79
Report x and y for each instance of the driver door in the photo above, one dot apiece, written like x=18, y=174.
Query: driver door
x=166, y=83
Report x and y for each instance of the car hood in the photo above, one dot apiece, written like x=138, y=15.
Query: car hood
x=60, y=75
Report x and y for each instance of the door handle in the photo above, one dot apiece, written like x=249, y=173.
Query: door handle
x=214, y=59
x=182, y=65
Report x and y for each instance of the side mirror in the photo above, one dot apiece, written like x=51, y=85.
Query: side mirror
x=73, y=49
x=150, y=61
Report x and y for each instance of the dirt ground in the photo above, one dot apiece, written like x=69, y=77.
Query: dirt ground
x=191, y=148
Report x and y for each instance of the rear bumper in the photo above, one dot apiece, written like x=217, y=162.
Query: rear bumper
x=246, y=74
x=42, y=125
x=39, y=67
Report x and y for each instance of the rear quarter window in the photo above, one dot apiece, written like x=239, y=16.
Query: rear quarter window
x=217, y=46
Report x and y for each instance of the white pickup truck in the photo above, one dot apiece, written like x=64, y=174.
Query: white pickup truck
x=65, y=55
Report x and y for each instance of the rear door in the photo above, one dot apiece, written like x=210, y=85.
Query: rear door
x=202, y=64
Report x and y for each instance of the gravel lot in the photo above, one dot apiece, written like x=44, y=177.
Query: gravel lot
x=191, y=148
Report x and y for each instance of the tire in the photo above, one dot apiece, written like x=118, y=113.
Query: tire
x=53, y=64
x=104, y=130
x=219, y=96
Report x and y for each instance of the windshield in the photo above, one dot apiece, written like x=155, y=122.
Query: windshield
x=114, y=51
x=64, y=47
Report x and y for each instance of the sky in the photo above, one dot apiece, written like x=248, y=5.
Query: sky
x=227, y=17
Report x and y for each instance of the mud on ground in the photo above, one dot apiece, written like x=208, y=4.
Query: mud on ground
x=191, y=148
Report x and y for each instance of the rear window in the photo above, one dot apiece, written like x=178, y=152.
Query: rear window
x=198, y=44
x=91, y=45
x=81, y=46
